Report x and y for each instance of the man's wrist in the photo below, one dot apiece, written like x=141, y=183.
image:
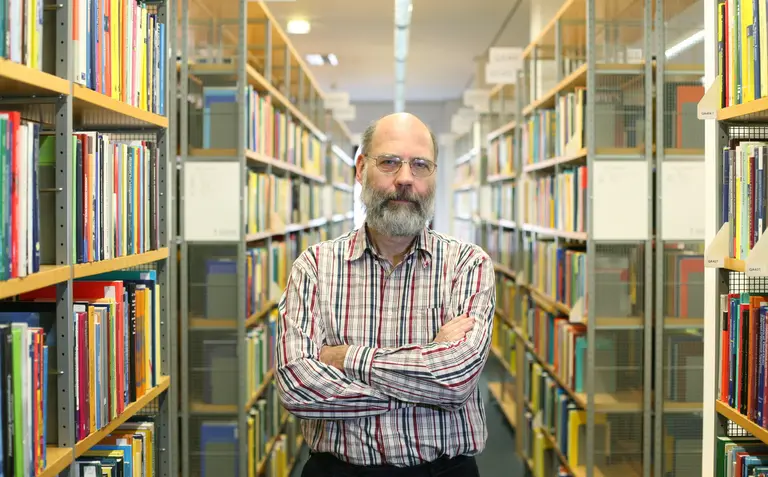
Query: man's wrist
x=358, y=362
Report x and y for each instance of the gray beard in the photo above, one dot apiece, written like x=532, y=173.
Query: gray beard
x=396, y=220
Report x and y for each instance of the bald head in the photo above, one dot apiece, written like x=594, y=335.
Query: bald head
x=398, y=127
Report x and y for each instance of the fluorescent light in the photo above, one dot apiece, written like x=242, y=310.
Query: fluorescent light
x=315, y=59
x=298, y=27
x=332, y=59
x=685, y=44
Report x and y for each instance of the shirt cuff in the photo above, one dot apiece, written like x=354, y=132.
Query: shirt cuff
x=358, y=362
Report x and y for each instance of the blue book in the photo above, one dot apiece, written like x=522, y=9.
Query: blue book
x=218, y=449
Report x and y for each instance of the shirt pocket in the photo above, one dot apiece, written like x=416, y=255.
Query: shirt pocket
x=421, y=325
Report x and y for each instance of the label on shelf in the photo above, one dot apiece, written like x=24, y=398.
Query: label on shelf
x=710, y=102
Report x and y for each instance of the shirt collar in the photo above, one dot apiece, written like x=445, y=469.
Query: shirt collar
x=359, y=243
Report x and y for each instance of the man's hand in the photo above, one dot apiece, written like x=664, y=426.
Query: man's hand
x=334, y=356
x=455, y=329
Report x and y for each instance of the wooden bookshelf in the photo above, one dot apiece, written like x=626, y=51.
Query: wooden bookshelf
x=741, y=420
x=91, y=106
x=47, y=276
x=752, y=111
x=131, y=410
x=62, y=107
x=259, y=316
x=20, y=80
x=503, y=394
x=579, y=156
x=58, y=459
x=82, y=270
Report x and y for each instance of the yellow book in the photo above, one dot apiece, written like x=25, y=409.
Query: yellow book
x=147, y=429
x=747, y=52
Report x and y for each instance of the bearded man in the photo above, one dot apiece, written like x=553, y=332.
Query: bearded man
x=383, y=332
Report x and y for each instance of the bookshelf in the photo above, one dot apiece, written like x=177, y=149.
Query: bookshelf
x=679, y=350
x=597, y=140
x=735, y=108
x=264, y=172
x=86, y=220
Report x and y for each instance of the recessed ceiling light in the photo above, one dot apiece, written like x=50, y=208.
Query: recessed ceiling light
x=317, y=59
x=298, y=27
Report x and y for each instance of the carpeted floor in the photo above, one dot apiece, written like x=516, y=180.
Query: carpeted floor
x=499, y=458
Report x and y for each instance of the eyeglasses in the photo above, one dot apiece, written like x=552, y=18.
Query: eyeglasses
x=420, y=167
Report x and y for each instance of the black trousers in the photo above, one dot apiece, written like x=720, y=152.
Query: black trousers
x=327, y=465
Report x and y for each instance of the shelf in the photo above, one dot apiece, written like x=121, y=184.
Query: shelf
x=58, y=459
x=260, y=83
x=254, y=319
x=350, y=161
x=673, y=322
x=83, y=270
x=467, y=156
x=495, y=352
x=577, y=78
x=756, y=110
x=556, y=447
x=262, y=467
x=505, y=270
x=507, y=403
x=201, y=324
x=579, y=156
x=47, y=276
x=624, y=401
x=130, y=411
x=580, y=236
x=510, y=126
x=260, y=159
x=205, y=408
x=739, y=419
x=675, y=407
x=90, y=107
x=545, y=301
x=261, y=390
x=20, y=80
x=500, y=178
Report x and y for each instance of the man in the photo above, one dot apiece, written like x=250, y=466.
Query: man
x=384, y=331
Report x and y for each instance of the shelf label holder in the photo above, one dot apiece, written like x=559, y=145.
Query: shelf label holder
x=717, y=250
x=710, y=102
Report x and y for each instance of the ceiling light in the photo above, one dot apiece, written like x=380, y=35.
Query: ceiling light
x=298, y=27
x=315, y=59
x=685, y=44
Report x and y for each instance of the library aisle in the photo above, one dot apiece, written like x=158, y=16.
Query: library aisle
x=164, y=163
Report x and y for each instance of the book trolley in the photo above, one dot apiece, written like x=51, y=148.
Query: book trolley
x=264, y=173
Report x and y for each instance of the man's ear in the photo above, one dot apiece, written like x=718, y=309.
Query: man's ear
x=359, y=168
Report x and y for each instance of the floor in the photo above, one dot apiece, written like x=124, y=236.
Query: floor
x=499, y=456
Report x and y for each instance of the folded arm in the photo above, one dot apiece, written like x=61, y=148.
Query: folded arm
x=307, y=387
x=441, y=374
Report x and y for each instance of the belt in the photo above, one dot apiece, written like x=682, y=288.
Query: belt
x=424, y=469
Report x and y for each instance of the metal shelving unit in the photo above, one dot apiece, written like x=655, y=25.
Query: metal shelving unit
x=231, y=276
x=740, y=275
x=679, y=248
x=62, y=107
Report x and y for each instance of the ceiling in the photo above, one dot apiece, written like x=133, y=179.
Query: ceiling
x=445, y=36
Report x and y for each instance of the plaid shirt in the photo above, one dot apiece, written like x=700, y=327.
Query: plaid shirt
x=401, y=400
